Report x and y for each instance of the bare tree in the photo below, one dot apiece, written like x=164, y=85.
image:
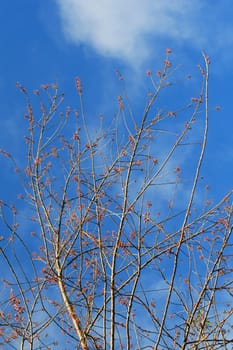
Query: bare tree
x=116, y=251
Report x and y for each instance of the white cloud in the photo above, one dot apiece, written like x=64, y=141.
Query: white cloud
x=128, y=29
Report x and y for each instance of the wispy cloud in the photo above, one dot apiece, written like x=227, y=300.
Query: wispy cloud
x=133, y=30
x=128, y=29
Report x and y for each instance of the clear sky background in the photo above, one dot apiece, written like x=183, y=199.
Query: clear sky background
x=56, y=40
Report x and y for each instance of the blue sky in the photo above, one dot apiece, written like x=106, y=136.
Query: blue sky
x=57, y=40
x=54, y=41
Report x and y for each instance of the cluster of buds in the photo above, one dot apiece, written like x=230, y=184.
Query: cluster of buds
x=78, y=85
